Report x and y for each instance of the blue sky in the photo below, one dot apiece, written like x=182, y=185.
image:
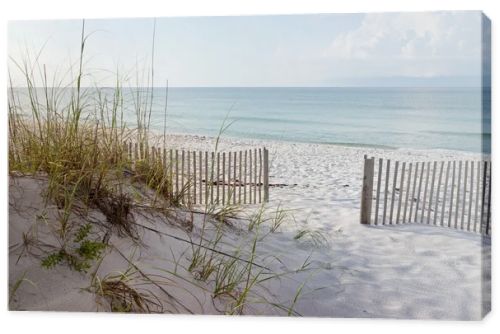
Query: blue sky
x=380, y=49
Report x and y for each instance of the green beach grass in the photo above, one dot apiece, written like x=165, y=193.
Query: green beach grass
x=75, y=143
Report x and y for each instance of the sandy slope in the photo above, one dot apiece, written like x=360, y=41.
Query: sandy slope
x=355, y=271
x=402, y=272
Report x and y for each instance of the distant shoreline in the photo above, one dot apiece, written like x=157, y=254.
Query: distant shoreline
x=265, y=141
x=391, y=118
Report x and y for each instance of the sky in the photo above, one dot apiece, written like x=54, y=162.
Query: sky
x=326, y=50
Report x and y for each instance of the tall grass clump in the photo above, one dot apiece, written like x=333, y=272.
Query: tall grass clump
x=77, y=138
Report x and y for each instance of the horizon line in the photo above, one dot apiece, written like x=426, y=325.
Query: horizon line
x=302, y=87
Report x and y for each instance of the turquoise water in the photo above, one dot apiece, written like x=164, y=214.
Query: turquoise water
x=422, y=118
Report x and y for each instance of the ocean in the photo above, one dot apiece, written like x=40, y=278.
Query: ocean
x=417, y=118
x=420, y=118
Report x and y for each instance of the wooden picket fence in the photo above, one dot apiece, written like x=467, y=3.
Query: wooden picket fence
x=203, y=177
x=453, y=194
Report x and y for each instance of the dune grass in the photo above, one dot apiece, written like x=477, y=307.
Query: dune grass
x=125, y=292
x=74, y=137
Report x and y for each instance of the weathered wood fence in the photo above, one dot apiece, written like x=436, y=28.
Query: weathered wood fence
x=454, y=194
x=203, y=177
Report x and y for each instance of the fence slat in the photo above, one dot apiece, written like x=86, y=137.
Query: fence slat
x=259, y=178
x=393, y=190
x=377, y=199
x=457, y=204
x=483, y=195
x=432, y=192
x=417, y=203
x=176, y=172
x=229, y=195
x=408, y=185
x=239, y=177
x=386, y=192
x=488, y=213
x=200, y=169
x=124, y=152
x=419, y=190
x=266, y=175
x=217, y=200
x=234, y=178
x=171, y=171
x=245, y=179
x=445, y=190
x=413, y=192
x=206, y=177
x=426, y=186
x=233, y=185
x=438, y=192
x=194, y=177
x=450, y=213
x=164, y=159
x=400, y=197
x=465, y=193
x=477, y=195
x=471, y=192
x=250, y=177
x=212, y=179
x=255, y=176
x=223, y=177
x=182, y=176
x=188, y=183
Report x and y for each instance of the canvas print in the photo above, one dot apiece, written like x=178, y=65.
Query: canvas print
x=328, y=165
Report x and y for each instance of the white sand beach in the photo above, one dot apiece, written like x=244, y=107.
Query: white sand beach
x=404, y=271
x=114, y=177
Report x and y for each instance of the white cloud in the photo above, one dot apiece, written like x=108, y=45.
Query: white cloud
x=309, y=50
x=416, y=44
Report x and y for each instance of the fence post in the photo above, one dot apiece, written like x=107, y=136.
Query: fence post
x=266, y=175
x=125, y=150
x=367, y=191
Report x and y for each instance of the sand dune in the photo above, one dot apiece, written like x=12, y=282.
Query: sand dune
x=405, y=271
